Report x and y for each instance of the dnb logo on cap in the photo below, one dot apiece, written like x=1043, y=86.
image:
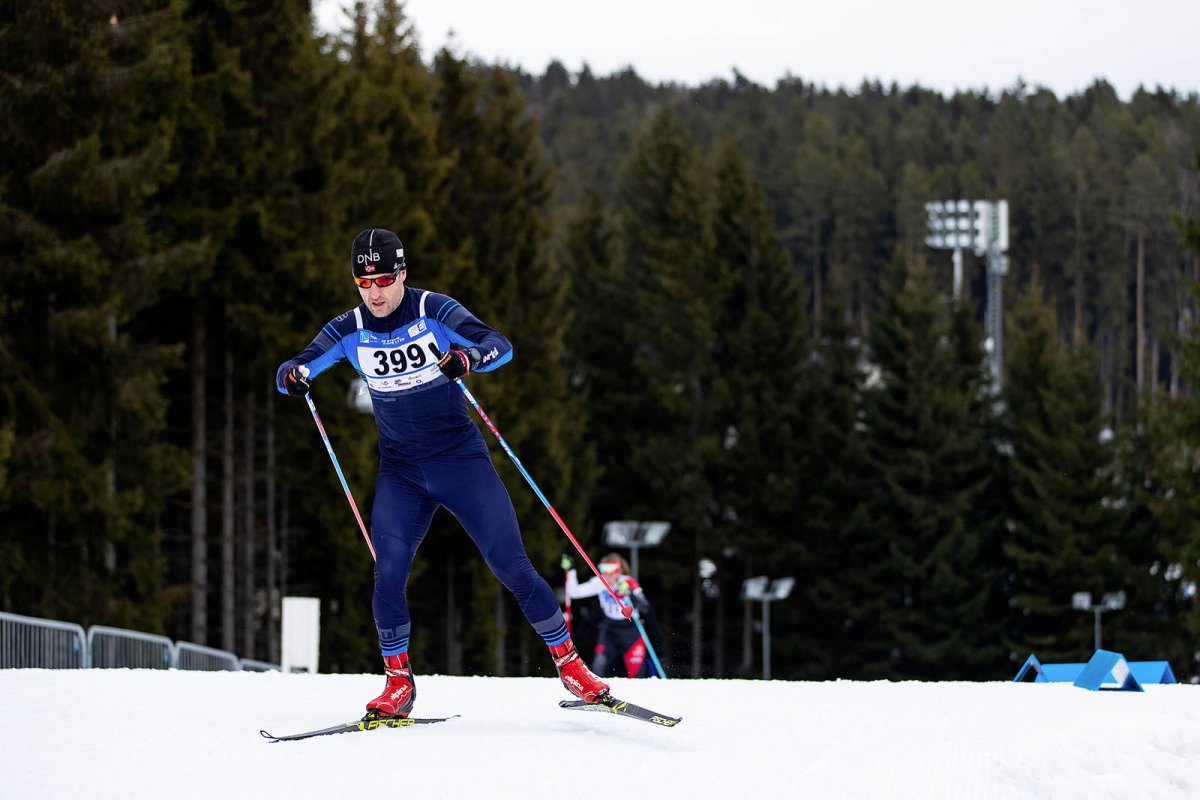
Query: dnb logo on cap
x=368, y=254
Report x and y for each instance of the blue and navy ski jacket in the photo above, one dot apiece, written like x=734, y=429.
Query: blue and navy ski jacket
x=418, y=410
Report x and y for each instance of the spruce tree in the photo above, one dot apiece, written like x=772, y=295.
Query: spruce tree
x=672, y=295
x=387, y=169
x=598, y=335
x=253, y=200
x=1064, y=532
x=1154, y=467
x=761, y=411
x=495, y=228
x=1165, y=483
x=832, y=503
x=372, y=161
x=810, y=207
x=860, y=237
x=929, y=459
x=596, y=339
x=96, y=96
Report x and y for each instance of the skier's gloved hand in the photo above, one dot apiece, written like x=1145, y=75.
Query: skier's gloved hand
x=566, y=563
x=458, y=362
x=295, y=380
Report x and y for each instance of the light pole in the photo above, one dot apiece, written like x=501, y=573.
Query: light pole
x=708, y=586
x=758, y=589
x=983, y=226
x=1112, y=601
x=635, y=535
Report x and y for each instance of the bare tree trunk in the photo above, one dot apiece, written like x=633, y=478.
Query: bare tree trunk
x=273, y=596
x=110, y=473
x=454, y=664
x=816, y=277
x=747, y=665
x=697, y=624
x=1077, y=259
x=1156, y=360
x=248, y=532
x=284, y=538
x=228, y=504
x=1141, y=307
x=199, y=628
x=51, y=560
x=501, y=630
x=719, y=655
x=1106, y=373
x=1180, y=331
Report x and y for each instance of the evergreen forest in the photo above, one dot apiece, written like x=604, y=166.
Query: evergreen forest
x=724, y=315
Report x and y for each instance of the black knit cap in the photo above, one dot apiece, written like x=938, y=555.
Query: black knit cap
x=375, y=252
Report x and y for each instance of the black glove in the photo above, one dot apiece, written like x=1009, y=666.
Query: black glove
x=295, y=380
x=566, y=563
x=457, y=362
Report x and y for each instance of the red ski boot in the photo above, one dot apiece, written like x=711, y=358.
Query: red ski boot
x=399, y=693
x=575, y=674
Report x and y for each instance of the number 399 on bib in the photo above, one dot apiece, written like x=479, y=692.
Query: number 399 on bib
x=401, y=365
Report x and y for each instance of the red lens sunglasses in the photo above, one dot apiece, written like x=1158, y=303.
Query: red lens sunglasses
x=381, y=281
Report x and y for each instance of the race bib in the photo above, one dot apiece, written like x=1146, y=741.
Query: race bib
x=401, y=364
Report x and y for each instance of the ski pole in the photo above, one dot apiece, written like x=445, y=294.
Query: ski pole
x=337, y=468
x=627, y=610
x=637, y=620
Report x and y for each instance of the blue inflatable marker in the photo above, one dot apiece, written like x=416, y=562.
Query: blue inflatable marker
x=1030, y=671
x=1144, y=672
x=1152, y=672
x=1106, y=669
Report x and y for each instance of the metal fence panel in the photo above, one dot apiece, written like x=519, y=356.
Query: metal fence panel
x=41, y=643
x=117, y=647
x=32, y=642
x=197, y=656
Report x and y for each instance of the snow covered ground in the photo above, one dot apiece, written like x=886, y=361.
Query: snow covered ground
x=173, y=735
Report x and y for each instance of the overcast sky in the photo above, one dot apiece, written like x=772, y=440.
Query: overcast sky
x=1061, y=44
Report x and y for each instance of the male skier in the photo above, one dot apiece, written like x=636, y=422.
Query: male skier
x=410, y=345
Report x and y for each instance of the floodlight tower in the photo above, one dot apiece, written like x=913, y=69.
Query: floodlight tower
x=983, y=226
x=635, y=535
x=768, y=591
x=1111, y=601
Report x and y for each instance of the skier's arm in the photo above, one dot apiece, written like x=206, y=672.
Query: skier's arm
x=482, y=348
x=322, y=353
x=578, y=591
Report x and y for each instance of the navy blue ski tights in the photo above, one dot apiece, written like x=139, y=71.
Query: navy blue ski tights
x=463, y=481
